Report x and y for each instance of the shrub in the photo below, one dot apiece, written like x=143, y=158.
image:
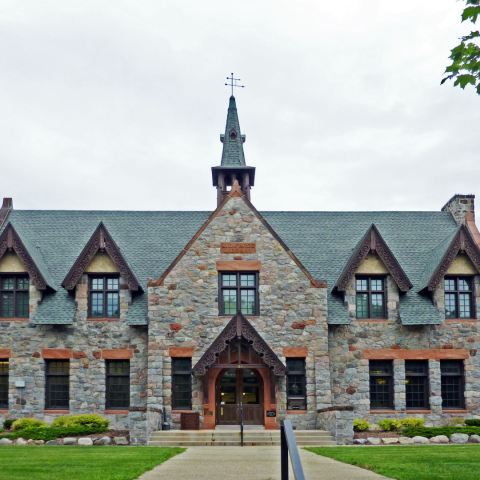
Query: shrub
x=1, y=430
x=92, y=420
x=412, y=422
x=361, y=425
x=7, y=424
x=434, y=431
x=390, y=425
x=23, y=423
x=49, y=433
x=59, y=421
x=474, y=422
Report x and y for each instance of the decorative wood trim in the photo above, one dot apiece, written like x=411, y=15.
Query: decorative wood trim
x=9, y=240
x=239, y=327
x=237, y=192
x=373, y=241
x=238, y=265
x=436, y=354
x=462, y=242
x=101, y=240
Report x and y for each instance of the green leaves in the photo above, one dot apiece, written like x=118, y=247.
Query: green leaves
x=465, y=67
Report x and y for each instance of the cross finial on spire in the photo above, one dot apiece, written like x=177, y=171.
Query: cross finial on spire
x=233, y=83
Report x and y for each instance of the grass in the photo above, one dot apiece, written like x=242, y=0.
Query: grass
x=80, y=463
x=423, y=462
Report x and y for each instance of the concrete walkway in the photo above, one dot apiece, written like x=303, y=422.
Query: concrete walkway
x=250, y=463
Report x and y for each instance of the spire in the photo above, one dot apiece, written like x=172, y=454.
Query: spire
x=233, y=140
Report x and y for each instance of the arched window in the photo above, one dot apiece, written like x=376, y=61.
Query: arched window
x=233, y=135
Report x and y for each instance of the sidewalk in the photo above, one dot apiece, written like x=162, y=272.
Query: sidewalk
x=250, y=463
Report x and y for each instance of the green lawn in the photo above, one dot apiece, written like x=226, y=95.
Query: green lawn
x=423, y=462
x=80, y=463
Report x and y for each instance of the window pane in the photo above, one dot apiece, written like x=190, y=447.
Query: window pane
x=22, y=283
x=380, y=396
x=362, y=305
x=4, y=368
x=464, y=310
x=452, y=394
x=295, y=387
x=229, y=280
x=118, y=367
x=59, y=367
x=118, y=392
x=97, y=305
x=8, y=283
x=181, y=391
x=251, y=395
x=181, y=365
x=97, y=283
x=3, y=384
x=7, y=302
x=449, y=284
x=247, y=280
x=59, y=392
x=362, y=284
x=416, y=392
x=419, y=367
x=112, y=284
x=451, y=367
x=248, y=302
x=228, y=394
x=377, y=284
x=450, y=305
x=230, y=376
x=464, y=284
x=377, y=305
x=380, y=367
x=112, y=305
x=230, y=301
x=295, y=365
x=22, y=304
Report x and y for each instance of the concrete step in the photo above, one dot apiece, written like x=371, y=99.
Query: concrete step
x=185, y=443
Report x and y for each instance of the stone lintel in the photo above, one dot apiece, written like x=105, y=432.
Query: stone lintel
x=117, y=354
x=5, y=352
x=57, y=353
x=391, y=354
x=239, y=265
x=181, y=351
x=295, y=352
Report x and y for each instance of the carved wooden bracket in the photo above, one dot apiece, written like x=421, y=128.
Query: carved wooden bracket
x=101, y=240
x=462, y=242
x=239, y=327
x=9, y=240
x=373, y=241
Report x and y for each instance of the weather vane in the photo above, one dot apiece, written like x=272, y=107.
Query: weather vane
x=233, y=83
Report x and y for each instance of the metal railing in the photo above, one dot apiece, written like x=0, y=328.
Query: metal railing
x=241, y=424
x=288, y=445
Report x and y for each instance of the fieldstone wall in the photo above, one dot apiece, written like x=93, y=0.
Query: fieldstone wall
x=339, y=422
x=184, y=311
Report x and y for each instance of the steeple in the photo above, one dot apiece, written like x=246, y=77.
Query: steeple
x=233, y=165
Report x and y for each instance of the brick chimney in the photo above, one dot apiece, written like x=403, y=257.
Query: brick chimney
x=4, y=211
x=458, y=206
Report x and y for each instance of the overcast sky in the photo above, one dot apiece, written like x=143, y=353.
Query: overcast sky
x=118, y=105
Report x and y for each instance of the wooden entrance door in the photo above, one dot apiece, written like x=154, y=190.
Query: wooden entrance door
x=236, y=389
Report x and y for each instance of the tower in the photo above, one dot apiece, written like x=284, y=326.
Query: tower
x=233, y=165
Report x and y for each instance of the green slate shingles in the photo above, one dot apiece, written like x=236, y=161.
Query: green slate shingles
x=232, y=154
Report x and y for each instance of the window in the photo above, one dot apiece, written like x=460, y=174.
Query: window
x=182, y=383
x=104, y=297
x=371, y=297
x=3, y=384
x=452, y=384
x=458, y=297
x=296, y=384
x=14, y=296
x=239, y=291
x=381, y=384
x=416, y=380
x=118, y=384
x=58, y=385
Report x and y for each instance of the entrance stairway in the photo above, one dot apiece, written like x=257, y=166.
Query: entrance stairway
x=230, y=436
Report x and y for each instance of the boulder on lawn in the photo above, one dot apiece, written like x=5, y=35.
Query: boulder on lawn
x=389, y=440
x=30, y=442
x=374, y=440
x=86, y=442
x=69, y=441
x=52, y=442
x=405, y=440
x=39, y=442
x=420, y=440
x=5, y=441
x=360, y=441
x=459, y=438
x=439, y=439
x=120, y=440
x=103, y=441
x=21, y=441
x=474, y=438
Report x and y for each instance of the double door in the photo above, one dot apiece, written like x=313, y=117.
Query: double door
x=239, y=390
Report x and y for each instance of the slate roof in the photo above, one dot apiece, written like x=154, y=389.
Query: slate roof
x=232, y=154
x=150, y=241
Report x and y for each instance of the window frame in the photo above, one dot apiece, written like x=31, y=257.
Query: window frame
x=391, y=403
x=108, y=393
x=5, y=374
x=48, y=376
x=105, y=291
x=184, y=372
x=238, y=288
x=457, y=292
x=426, y=385
x=369, y=293
x=461, y=376
x=15, y=291
x=302, y=373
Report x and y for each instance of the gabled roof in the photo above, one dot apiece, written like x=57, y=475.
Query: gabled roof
x=29, y=254
x=372, y=241
x=445, y=253
x=101, y=240
x=239, y=327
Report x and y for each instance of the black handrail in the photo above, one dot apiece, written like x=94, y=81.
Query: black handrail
x=288, y=445
x=241, y=424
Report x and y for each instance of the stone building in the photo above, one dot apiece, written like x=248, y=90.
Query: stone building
x=318, y=317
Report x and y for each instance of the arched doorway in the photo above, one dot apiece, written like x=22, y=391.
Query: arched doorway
x=239, y=389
